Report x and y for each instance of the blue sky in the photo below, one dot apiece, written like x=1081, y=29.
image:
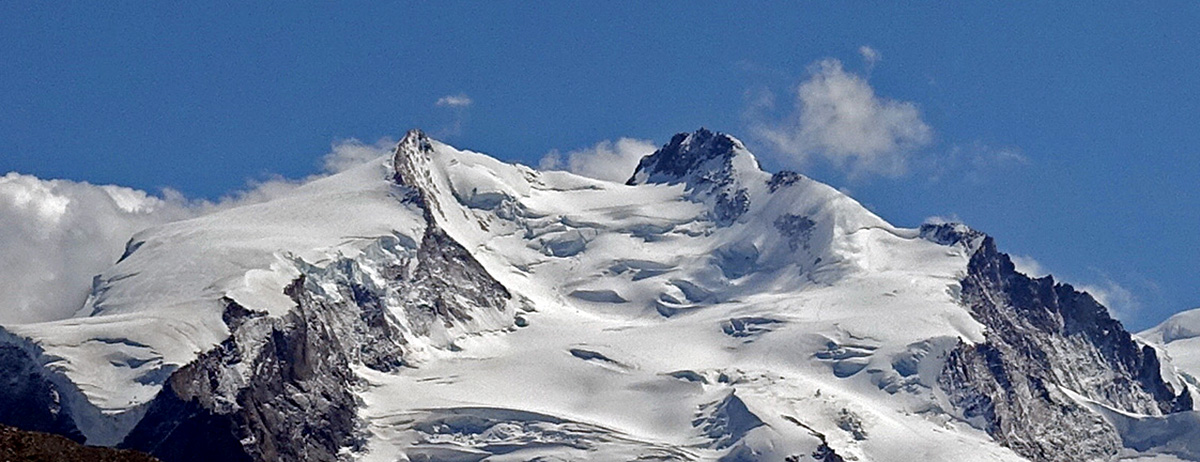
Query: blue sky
x=1067, y=130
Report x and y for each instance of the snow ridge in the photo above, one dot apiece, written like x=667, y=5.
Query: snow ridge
x=1046, y=344
x=439, y=304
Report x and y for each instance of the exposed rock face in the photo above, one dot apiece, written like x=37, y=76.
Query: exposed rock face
x=783, y=179
x=704, y=161
x=282, y=388
x=278, y=389
x=447, y=274
x=1044, y=338
x=727, y=421
x=797, y=229
x=410, y=169
x=20, y=445
x=31, y=400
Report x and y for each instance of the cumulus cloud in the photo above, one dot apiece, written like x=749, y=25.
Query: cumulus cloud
x=607, y=160
x=459, y=100
x=870, y=56
x=55, y=235
x=838, y=118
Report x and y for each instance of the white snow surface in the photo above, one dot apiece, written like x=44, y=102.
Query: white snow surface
x=651, y=330
x=647, y=313
x=157, y=309
x=1179, y=338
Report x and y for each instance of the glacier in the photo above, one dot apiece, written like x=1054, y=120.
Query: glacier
x=440, y=304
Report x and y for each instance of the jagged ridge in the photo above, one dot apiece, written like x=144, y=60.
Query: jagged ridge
x=1044, y=337
x=706, y=162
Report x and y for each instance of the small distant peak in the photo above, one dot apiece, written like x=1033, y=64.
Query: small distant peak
x=954, y=233
x=415, y=141
x=711, y=165
x=688, y=156
x=412, y=154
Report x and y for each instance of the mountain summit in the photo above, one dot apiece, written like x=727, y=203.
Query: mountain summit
x=440, y=304
x=693, y=157
x=711, y=165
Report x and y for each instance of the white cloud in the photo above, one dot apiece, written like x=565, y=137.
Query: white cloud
x=459, y=100
x=458, y=106
x=551, y=161
x=55, y=235
x=348, y=153
x=973, y=162
x=870, y=56
x=1120, y=301
x=607, y=160
x=942, y=220
x=839, y=118
x=1028, y=266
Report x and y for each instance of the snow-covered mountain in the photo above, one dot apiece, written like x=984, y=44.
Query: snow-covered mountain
x=439, y=304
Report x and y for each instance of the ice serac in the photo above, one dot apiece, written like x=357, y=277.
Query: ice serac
x=1046, y=344
x=284, y=387
x=709, y=164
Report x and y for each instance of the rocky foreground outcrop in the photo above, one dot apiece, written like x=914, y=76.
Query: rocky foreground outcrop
x=20, y=445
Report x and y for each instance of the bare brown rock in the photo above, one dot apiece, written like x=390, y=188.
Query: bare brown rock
x=19, y=445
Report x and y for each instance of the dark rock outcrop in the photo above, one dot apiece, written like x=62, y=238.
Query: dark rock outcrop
x=277, y=389
x=704, y=161
x=1043, y=340
x=31, y=446
x=282, y=388
x=31, y=400
x=783, y=179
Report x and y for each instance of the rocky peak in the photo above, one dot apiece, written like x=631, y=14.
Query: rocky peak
x=411, y=169
x=709, y=164
x=1044, y=337
x=702, y=156
x=948, y=233
x=411, y=152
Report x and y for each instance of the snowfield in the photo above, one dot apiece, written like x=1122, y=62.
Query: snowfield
x=703, y=311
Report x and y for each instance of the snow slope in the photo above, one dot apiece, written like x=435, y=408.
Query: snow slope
x=1179, y=335
x=703, y=310
x=649, y=312
x=1179, y=338
x=160, y=306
